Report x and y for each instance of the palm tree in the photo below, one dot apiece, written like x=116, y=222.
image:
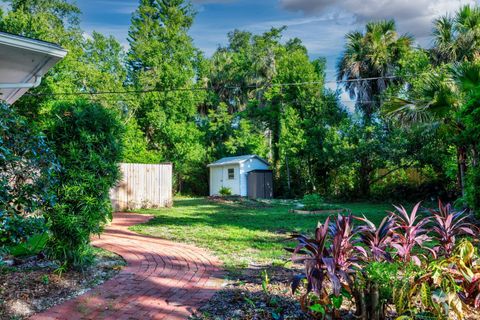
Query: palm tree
x=441, y=99
x=373, y=54
x=444, y=92
x=457, y=38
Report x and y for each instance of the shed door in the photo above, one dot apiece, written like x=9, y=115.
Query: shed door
x=268, y=185
x=252, y=185
x=260, y=184
x=216, y=180
x=231, y=178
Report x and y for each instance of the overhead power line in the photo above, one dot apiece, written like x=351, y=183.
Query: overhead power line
x=166, y=90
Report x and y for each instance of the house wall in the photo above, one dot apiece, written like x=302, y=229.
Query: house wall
x=247, y=166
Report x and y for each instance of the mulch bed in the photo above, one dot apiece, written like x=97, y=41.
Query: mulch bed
x=36, y=284
x=244, y=298
x=238, y=200
x=318, y=211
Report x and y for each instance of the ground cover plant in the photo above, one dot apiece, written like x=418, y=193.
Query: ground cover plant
x=314, y=202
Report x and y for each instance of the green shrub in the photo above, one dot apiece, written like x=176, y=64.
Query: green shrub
x=224, y=191
x=27, y=167
x=17, y=229
x=87, y=141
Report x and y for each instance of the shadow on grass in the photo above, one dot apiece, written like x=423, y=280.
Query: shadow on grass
x=276, y=219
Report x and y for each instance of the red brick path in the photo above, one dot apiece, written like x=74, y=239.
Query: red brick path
x=162, y=279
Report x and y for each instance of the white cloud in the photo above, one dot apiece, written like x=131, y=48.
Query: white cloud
x=412, y=16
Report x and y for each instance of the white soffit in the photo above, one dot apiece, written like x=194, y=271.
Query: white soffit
x=23, y=61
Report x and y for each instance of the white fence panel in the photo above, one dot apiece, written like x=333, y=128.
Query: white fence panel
x=143, y=186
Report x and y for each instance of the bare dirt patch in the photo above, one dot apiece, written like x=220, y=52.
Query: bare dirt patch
x=240, y=201
x=38, y=284
x=246, y=298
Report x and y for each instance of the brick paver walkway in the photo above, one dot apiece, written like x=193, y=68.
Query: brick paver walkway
x=162, y=279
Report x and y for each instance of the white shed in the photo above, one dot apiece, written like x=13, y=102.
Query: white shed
x=231, y=172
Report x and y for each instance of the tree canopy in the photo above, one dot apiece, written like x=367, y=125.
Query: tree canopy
x=415, y=108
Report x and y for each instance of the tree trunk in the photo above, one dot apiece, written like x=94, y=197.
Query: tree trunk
x=365, y=167
x=364, y=177
x=462, y=167
x=474, y=155
x=360, y=302
x=375, y=303
x=288, y=177
x=179, y=183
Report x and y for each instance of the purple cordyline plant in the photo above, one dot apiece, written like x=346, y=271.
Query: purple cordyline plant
x=377, y=240
x=335, y=262
x=311, y=252
x=344, y=250
x=409, y=233
x=448, y=224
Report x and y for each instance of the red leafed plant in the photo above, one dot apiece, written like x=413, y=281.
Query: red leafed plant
x=344, y=251
x=329, y=258
x=377, y=240
x=409, y=233
x=448, y=224
x=311, y=252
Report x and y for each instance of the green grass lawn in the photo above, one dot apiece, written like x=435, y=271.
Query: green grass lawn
x=240, y=235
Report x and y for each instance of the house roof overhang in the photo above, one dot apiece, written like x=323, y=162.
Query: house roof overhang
x=23, y=63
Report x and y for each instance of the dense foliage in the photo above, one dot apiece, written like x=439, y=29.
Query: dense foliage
x=27, y=174
x=412, y=134
x=391, y=263
x=86, y=139
x=262, y=94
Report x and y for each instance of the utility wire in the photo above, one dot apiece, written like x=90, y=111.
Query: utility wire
x=132, y=99
x=82, y=93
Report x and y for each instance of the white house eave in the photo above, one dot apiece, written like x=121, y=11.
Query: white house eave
x=23, y=64
x=22, y=85
x=32, y=45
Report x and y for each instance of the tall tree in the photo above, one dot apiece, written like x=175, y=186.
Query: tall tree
x=457, y=38
x=372, y=54
x=443, y=90
x=162, y=58
x=443, y=97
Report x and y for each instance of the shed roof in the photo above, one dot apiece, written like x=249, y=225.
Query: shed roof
x=236, y=160
x=23, y=61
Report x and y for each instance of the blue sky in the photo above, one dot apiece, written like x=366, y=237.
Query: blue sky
x=321, y=24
